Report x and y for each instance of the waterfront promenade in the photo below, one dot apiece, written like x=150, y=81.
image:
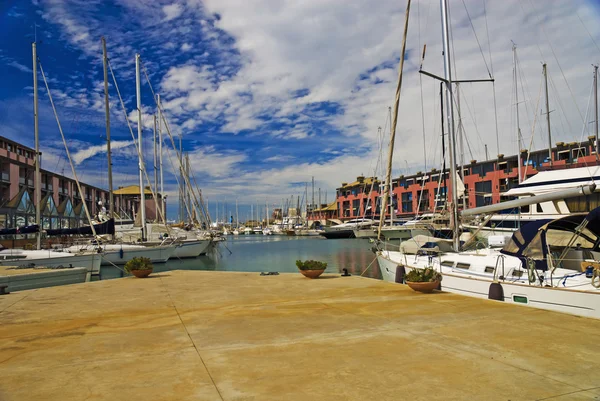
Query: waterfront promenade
x=198, y=335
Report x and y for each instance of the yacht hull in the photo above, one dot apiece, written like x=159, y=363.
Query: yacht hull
x=90, y=261
x=158, y=254
x=581, y=303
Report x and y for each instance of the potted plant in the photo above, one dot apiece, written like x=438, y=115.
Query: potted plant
x=140, y=267
x=311, y=268
x=423, y=280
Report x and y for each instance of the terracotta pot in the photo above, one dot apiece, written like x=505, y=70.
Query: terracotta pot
x=312, y=273
x=141, y=273
x=423, y=287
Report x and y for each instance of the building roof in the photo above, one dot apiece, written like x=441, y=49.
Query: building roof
x=131, y=190
x=365, y=181
x=331, y=207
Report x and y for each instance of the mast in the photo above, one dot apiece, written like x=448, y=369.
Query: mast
x=393, y=124
x=267, y=206
x=450, y=120
x=188, y=190
x=111, y=206
x=312, y=208
x=155, y=189
x=548, y=114
x=182, y=187
x=515, y=76
x=160, y=143
x=237, y=219
x=596, y=104
x=138, y=92
x=390, y=181
x=37, y=178
x=461, y=143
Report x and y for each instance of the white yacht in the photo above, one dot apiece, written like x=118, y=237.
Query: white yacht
x=547, y=264
x=346, y=230
x=544, y=182
x=51, y=258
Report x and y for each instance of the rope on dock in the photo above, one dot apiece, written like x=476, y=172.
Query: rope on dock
x=361, y=274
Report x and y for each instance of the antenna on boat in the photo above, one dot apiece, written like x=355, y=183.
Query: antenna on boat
x=141, y=154
x=111, y=206
x=37, y=178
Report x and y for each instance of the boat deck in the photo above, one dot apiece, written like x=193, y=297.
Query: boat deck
x=193, y=335
x=27, y=279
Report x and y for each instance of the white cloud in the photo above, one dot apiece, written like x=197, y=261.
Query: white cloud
x=88, y=152
x=185, y=47
x=172, y=11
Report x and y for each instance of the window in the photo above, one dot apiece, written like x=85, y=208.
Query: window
x=465, y=266
x=356, y=207
x=517, y=273
x=538, y=208
x=448, y=263
x=489, y=269
x=407, y=202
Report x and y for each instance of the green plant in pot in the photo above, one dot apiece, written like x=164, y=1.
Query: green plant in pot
x=423, y=280
x=311, y=268
x=140, y=267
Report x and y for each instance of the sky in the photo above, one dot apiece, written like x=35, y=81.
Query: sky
x=267, y=94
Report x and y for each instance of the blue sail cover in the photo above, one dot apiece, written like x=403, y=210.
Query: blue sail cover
x=20, y=230
x=108, y=227
x=529, y=242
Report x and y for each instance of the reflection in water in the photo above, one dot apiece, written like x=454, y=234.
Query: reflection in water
x=257, y=253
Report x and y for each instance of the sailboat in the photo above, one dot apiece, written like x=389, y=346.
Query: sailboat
x=547, y=264
x=39, y=257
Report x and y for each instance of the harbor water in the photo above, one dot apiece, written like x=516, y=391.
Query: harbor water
x=260, y=253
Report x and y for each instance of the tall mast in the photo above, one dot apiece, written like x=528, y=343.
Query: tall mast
x=393, y=124
x=548, y=114
x=237, y=219
x=450, y=120
x=596, y=104
x=37, y=179
x=155, y=189
x=267, y=206
x=138, y=91
x=182, y=179
x=160, y=143
x=188, y=190
x=111, y=206
x=461, y=143
x=313, y=197
x=515, y=77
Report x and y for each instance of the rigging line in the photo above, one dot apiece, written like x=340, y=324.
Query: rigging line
x=533, y=128
x=559, y=66
x=87, y=212
x=477, y=39
x=135, y=142
x=584, y=129
x=558, y=101
x=184, y=176
x=454, y=99
x=588, y=32
x=526, y=95
x=487, y=31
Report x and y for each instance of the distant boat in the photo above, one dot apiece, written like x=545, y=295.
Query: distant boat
x=346, y=230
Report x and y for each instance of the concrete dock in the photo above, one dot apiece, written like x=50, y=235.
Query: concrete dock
x=193, y=335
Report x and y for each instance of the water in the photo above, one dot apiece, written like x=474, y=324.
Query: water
x=277, y=253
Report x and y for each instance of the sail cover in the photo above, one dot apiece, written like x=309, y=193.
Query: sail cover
x=108, y=227
x=532, y=241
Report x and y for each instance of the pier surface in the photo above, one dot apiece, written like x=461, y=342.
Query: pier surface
x=194, y=335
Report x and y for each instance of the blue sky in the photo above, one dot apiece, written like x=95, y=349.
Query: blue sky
x=269, y=93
